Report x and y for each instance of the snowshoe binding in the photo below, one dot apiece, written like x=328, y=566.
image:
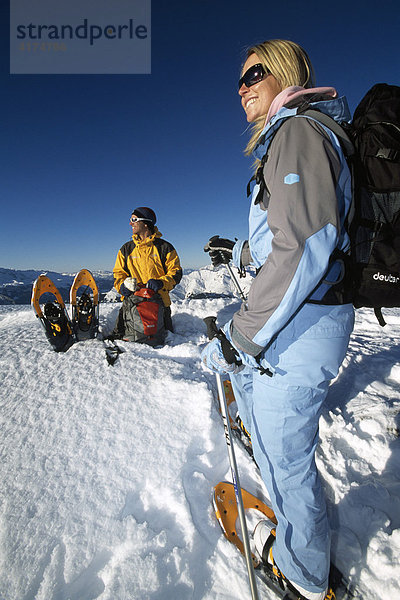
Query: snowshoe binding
x=54, y=317
x=58, y=328
x=226, y=511
x=85, y=309
x=237, y=427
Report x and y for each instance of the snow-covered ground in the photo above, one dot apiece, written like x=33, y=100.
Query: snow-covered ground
x=107, y=472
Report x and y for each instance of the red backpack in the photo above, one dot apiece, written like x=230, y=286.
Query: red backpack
x=143, y=318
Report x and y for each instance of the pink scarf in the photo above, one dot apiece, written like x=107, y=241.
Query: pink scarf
x=295, y=91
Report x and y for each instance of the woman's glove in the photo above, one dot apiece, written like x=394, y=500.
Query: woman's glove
x=213, y=358
x=220, y=250
x=247, y=359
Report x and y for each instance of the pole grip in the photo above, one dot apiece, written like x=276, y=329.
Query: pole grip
x=212, y=329
x=230, y=354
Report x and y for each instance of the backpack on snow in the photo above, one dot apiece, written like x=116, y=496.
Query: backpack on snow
x=371, y=145
x=143, y=318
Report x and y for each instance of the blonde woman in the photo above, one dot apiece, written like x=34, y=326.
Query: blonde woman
x=293, y=333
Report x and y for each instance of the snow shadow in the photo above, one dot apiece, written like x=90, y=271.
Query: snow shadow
x=187, y=325
x=370, y=510
x=165, y=545
x=177, y=558
x=359, y=373
x=227, y=312
x=86, y=586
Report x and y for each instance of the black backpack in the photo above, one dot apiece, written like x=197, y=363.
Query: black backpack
x=375, y=225
x=371, y=145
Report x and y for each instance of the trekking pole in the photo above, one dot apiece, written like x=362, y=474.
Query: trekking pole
x=228, y=266
x=235, y=282
x=213, y=331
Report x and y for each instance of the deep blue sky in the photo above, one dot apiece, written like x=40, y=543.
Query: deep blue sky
x=79, y=153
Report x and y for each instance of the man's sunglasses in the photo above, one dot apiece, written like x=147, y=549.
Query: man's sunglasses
x=253, y=75
x=136, y=219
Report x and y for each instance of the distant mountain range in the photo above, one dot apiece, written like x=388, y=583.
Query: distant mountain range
x=206, y=282
x=16, y=286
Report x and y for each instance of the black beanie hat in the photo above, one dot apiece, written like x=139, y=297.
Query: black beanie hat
x=145, y=213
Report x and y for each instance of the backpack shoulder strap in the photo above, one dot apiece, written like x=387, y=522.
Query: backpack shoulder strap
x=343, y=133
x=337, y=128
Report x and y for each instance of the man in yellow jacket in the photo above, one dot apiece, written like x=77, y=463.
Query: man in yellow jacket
x=147, y=260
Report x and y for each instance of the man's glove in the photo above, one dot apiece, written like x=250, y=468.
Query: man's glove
x=154, y=284
x=124, y=291
x=220, y=250
x=128, y=286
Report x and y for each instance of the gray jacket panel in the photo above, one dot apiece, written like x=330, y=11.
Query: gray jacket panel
x=301, y=176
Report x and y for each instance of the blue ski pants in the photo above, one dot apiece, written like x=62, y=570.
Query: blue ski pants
x=282, y=414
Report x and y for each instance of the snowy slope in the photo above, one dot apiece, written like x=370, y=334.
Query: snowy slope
x=107, y=471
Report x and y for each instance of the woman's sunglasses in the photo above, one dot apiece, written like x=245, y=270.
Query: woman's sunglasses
x=253, y=75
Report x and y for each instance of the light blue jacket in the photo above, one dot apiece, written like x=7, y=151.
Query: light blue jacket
x=296, y=227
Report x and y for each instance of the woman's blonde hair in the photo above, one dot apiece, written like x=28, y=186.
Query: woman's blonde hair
x=289, y=64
